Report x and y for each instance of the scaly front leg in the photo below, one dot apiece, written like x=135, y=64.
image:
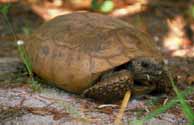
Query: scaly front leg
x=112, y=88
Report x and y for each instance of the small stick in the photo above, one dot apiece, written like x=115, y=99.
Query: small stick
x=123, y=107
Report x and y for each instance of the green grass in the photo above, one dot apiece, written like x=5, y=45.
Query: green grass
x=191, y=11
x=164, y=108
x=35, y=85
x=169, y=105
x=25, y=58
x=105, y=6
x=4, y=10
x=186, y=108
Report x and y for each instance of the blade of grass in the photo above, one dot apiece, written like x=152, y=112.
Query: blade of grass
x=162, y=109
x=4, y=9
x=167, y=106
x=25, y=57
x=187, y=110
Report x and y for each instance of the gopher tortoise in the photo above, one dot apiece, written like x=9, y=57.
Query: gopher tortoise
x=98, y=56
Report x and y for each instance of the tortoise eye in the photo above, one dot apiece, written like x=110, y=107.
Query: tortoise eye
x=144, y=64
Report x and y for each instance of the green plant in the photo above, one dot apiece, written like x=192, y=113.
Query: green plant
x=191, y=11
x=169, y=105
x=164, y=108
x=4, y=8
x=185, y=106
x=26, y=30
x=106, y=6
x=25, y=57
x=36, y=87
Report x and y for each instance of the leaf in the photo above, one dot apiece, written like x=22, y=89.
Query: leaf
x=107, y=6
x=4, y=9
x=95, y=5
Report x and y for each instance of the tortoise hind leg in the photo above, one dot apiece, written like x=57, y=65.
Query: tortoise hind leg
x=112, y=88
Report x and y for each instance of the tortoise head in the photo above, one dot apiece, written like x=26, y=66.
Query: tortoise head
x=147, y=69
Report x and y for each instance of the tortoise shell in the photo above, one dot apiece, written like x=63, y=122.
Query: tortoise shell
x=73, y=50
